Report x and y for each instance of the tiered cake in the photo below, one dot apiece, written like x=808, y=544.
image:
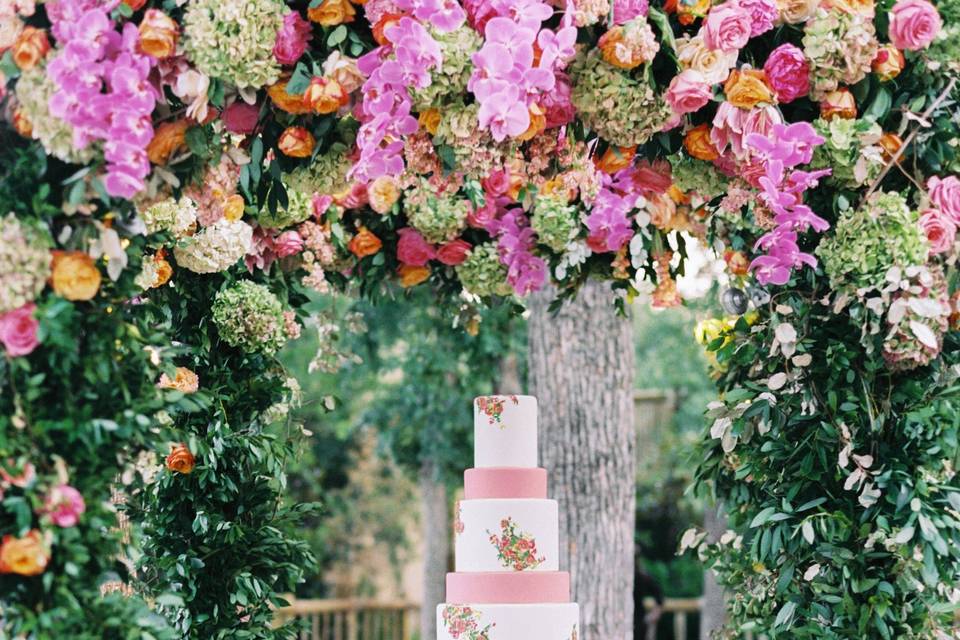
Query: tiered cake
x=507, y=584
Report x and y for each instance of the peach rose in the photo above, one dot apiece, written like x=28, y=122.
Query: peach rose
x=290, y=103
x=185, y=381
x=411, y=276
x=838, y=104
x=325, y=95
x=332, y=12
x=168, y=138
x=748, y=88
x=158, y=34
x=74, y=275
x=796, y=11
x=383, y=193
x=429, y=119
x=26, y=556
x=364, y=243
x=888, y=63
x=30, y=48
x=22, y=124
x=344, y=70
x=180, y=460
x=615, y=158
x=698, y=144
x=662, y=210
x=955, y=310
x=296, y=142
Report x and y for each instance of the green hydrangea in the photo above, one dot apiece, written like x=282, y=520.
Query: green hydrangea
x=299, y=208
x=840, y=46
x=249, y=316
x=326, y=175
x=24, y=263
x=474, y=152
x=555, y=222
x=625, y=111
x=437, y=218
x=852, y=151
x=234, y=40
x=34, y=89
x=450, y=80
x=482, y=273
x=696, y=176
x=868, y=241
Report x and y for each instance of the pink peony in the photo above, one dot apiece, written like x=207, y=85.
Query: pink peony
x=788, y=73
x=453, y=252
x=18, y=330
x=241, y=118
x=412, y=249
x=64, y=505
x=940, y=230
x=288, y=243
x=763, y=13
x=292, y=39
x=727, y=27
x=688, y=92
x=914, y=24
x=945, y=194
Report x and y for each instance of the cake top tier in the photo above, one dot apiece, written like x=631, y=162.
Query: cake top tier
x=505, y=431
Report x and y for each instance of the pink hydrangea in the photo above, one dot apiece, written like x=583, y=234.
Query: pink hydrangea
x=18, y=330
x=788, y=73
x=413, y=249
x=64, y=505
x=945, y=195
x=914, y=24
x=292, y=39
x=940, y=230
x=688, y=92
x=727, y=27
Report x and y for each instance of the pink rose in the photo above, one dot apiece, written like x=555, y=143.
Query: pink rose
x=288, y=243
x=913, y=24
x=320, y=204
x=763, y=13
x=412, y=249
x=727, y=27
x=241, y=118
x=292, y=39
x=481, y=217
x=788, y=73
x=355, y=198
x=18, y=330
x=64, y=505
x=453, y=252
x=940, y=230
x=497, y=182
x=688, y=92
x=945, y=194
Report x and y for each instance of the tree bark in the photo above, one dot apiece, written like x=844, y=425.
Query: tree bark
x=436, y=539
x=582, y=369
x=714, y=612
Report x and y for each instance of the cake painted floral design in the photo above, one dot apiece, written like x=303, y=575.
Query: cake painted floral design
x=463, y=623
x=458, y=527
x=516, y=549
x=492, y=407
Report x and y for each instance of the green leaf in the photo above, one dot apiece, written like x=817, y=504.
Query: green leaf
x=785, y=615
x=337, y=36
x=299, y=81
x=880, y=106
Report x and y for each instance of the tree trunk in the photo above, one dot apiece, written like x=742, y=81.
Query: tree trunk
x=508, y=381
x=436, y=540
x=714, y=613
x=582, y=371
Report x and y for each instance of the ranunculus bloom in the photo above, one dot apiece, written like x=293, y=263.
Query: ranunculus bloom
x=727, y=27
x=241, y=118
x=940, y=230
x=411, y=275
x=838, y=104
x=364, y=243
x=412, y=249
x=296, y=142
x=26, y=556
x=292, y=39
x=288, y=243
x=181, y=459
x=748, y=88
x=168, y=138
x=158, y=34
x=888, y=63
x=64, y=506
x=454, y=252
x=185, y=381
x=688, y=92
x=332, y=12
x=945, y=195
x=615, y=158
x=291, y=103
x=788, y=72
x=325, y=95
x=383, y=193
x=698, y=144
x=913, y=24
x=18, y=330
x=74, y=275
x=30, y=48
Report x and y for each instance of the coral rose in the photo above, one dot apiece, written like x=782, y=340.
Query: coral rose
x=615, y=158
x=838, y=104
x=411, y=276
x=332, y=12
x=18, y=330
x=64, y=505
x=940, y=230
x=288, y=102
x=241, y=118
x=914, y=24
x=688, y=92
x=698, y=144
x=727, y=27
x=324, y=95
x=30, y=47
x=158, y=34
x=296, y=142
x=185, y=381
x=888, y=63
x=383, y=193
x=748, y=88
x=168, y=138
x=412, y=249
x=26, y=556
x=180, y=460
x=788, y=72
x=74, y=275
x=364, y=243
x=454, y=252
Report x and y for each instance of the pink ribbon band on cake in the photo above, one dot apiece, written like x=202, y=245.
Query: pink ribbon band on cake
x=505, y=482
x=508, y=588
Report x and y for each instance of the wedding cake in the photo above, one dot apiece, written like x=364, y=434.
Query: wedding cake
x=507, y=584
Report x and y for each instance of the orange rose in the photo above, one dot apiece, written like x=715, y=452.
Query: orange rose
x=22, y=124
x=74, y=275
x=888, y=63
x=737, y=262
x=284, y=101
x=383, y=23
x=158, y=34
x=180, y=459
x=364, y=243
x=698, y=144
x=185, y=381
x=677, y=195
x=538, y=122
x=890, y=143
x=383, y=193
x=26, y=556
x=616, y=158
x=411, y=276
x=429, y=119
x=324, y=95
x=838, y=104
x=748, y=88
x=332, y=12
x=296, y=142
x=615, y=52
x=168, y=138
x=30, y=47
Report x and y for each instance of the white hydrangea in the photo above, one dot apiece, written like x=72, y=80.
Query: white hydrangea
x=179, y=217
x=215, y=248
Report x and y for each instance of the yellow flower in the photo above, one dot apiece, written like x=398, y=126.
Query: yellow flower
x=429, y=119
x=233, y=207
x=411, y=275
x=296, y=142
x=74, y=275
x=708, y=330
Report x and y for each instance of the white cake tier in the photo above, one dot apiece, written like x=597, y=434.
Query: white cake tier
x=505, y=431
x=507, y=535
x=508, y=622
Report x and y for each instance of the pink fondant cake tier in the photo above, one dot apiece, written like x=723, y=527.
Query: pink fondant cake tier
x=475, y=621
x=509, y=588
x=505, y=482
